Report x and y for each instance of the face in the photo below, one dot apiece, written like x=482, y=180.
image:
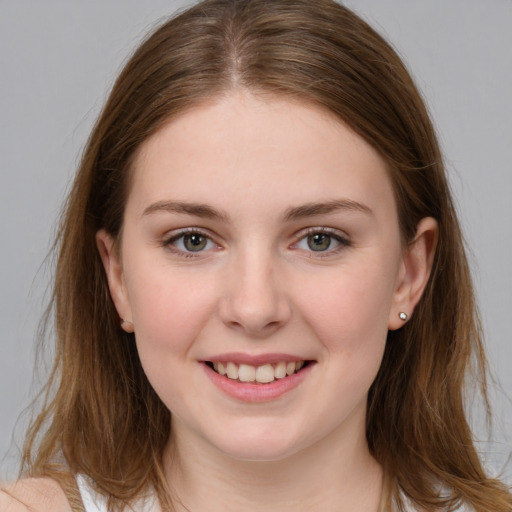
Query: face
x=260, y=239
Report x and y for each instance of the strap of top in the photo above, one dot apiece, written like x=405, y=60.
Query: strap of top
x=73, y=494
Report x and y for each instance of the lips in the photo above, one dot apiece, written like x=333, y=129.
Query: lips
x=261, y=374
x=246, y=382
x=257, y=377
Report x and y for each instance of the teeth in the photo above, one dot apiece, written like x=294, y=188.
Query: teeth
x=246, y=373
x=280, y=371
x=232, y=371
x=265, y=373
x=261, y=374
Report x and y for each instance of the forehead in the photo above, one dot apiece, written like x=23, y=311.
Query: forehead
x=259, y=150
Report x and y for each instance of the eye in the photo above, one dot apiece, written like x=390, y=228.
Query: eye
x=194, y=242
x=321, y=241
x=190, y=242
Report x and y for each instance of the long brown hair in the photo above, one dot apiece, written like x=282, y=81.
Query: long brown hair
x=102, y=418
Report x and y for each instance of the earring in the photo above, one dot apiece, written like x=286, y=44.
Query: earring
x=126, y=325
x=403, y=316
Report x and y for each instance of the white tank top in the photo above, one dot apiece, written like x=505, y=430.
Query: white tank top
x=93, y=502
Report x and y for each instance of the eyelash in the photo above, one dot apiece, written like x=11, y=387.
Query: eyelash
x=344, y=242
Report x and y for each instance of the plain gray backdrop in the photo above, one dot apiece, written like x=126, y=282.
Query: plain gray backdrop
x=58, y=59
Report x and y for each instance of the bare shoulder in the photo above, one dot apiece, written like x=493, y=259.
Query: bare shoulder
x=33, y=495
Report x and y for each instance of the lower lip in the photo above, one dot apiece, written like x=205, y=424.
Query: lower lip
x=250, y=392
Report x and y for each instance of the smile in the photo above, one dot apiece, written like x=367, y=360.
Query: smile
x=254, y=379
x=263, y=374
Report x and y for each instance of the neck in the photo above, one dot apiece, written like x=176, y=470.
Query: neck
x=329, y=475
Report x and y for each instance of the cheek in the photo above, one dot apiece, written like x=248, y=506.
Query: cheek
x=169, y=310
x=348, y=315
x=349, y=311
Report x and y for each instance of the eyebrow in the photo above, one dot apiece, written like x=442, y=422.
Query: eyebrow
x=312, y=209
x=197, y=209
x=295, y=213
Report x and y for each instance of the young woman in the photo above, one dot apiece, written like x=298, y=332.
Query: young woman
x=262, y=299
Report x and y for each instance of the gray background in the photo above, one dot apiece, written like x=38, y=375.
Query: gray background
x=58, y=59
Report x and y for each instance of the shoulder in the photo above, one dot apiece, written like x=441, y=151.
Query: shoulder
x=33, y=495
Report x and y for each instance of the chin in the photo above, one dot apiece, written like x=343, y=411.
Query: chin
x=255, y=444
x=258, y=452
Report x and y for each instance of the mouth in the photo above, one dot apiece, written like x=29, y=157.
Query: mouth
x=262, y=374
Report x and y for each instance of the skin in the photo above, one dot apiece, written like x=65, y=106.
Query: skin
x=34, y=495
x=258, y=288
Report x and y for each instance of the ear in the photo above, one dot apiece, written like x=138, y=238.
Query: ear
x=414, y=271
x=114, y=271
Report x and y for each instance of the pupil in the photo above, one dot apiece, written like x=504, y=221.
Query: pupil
x=195, y=242
x=319, y=242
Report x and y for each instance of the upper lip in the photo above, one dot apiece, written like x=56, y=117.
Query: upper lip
x=254, y=359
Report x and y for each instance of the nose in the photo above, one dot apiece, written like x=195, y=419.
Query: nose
x=255, y=300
